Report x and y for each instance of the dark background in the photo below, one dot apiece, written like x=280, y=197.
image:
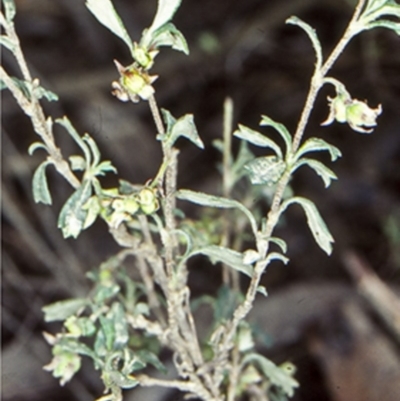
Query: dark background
x=241, y=49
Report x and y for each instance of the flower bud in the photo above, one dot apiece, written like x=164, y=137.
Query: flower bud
x=354, y=112
x=148, y=201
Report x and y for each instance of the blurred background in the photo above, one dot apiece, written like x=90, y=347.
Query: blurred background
x=338, y=318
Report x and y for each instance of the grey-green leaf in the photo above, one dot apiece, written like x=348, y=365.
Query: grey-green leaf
x=317, y=145
x=117, y=314
x=150, y=358
x=265, y=170
x=227, y=256
x=394, y=26
x=256, y=138
x=62, y=310
x=185, y=127
x=324, y=172
x=165, y=11
x=311, y=34
x=203, y=199
x=105, y=13
x=76, y=137
x=6, y=42
x=78, y=163
x=73, y=216
x=280, y=128
x=169, y=35
x=10, y=10
x=280, y=242
x=40, y=188
x=40, y=93
x=276, y=375
x=315, y=222
x=34, y=146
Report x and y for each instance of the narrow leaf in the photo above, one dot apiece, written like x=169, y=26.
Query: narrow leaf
x=40, y=188
x=318, y=145
x=227, y=256
x=275, y=374
x=34, y=146
x=78, y=163
x=265, y=170
x=169, y=35
x=276, y=256
x=94, y=148
x=315, y=222
x=62, y=310
x=280, y=128
x=40, y=93
x=312, y=35
x=165, y=11
x=280, y=242
x=150, y=358
x=76, y=137
x=394, y=26
x=185, y=127
x=117, y=314
x=258, y=139
x=6, y=42
x=73, y=215
x=203, y=199
x=9, y=8
x=105, y=13
x=324, y=172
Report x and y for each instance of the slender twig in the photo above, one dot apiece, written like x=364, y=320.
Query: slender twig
x=316, y=83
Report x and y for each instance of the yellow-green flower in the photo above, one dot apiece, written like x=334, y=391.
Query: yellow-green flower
x=356, y=113
x=134, y=83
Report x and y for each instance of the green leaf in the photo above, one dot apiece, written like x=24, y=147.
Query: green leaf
x=280, y=242
x=394, y=26
x=265, y=170
x=165, y=12
x=94, y=149
x=104, y=167
x=9, y=9
x=62, y=310
x=312, y=35
x=76, y=137
x=40, y=92
x=93, y=209
x=258, y=139
x=34, y=146
x=117, y=314
x=262, y=290
x=324, y=172
x=169, y=35
x=7, y=42
x=78, y=163
x=150, y=358
x=277, y=376
x=105, y=13
x=227, y=256
x=104, y=292
x=244, y=156
x=73, y=216
x=276, y=256
x=280, y=128
x=107, y=337
x=315, y=222
x=317, y=145
x=203, y=199
x=40, y=188
x=184, y=126
x=76, y=347
x=122, y=381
